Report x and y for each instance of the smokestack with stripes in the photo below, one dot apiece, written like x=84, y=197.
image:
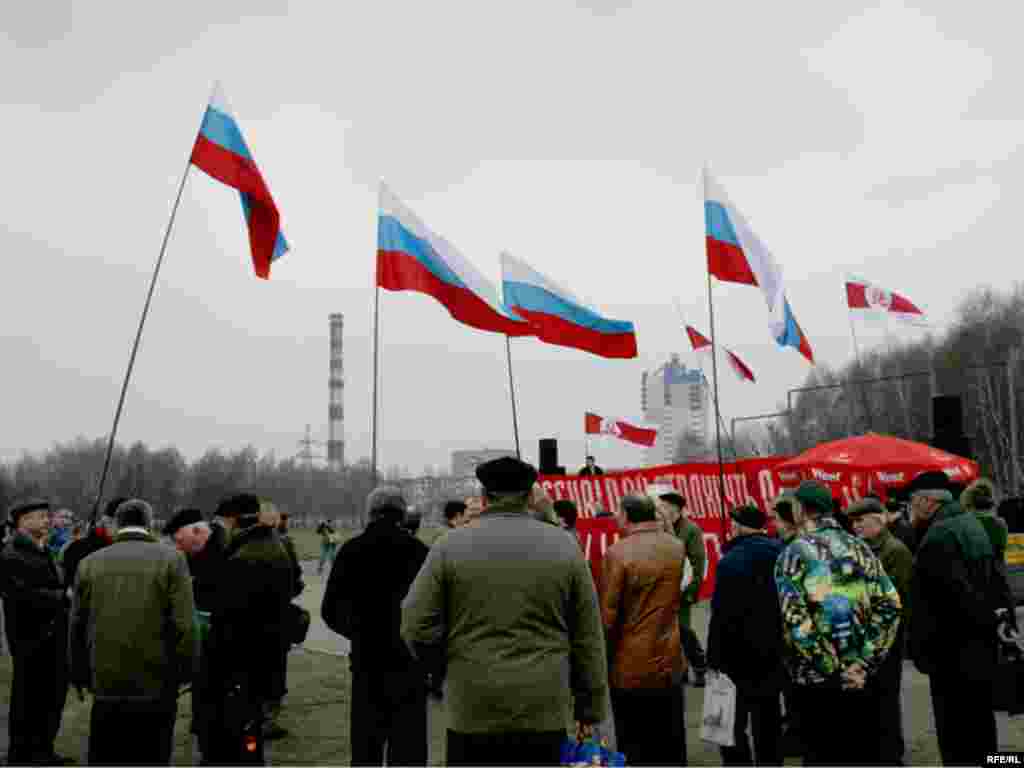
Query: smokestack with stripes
x=336, y=399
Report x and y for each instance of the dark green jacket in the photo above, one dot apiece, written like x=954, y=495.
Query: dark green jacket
x=955, y=591
x=510, y=604
x=692, y=537
x=131, y=634
x=897, y=561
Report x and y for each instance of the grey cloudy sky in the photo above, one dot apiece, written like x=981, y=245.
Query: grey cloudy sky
x=882, y=139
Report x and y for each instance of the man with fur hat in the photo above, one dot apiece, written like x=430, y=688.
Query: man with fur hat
x=640, y=608
x=36, y=613
x=745, y=637
x=509, y=606
x=248, y=628
x=132, y=641
x=840, y=617
x=868, y=518
x=372, y=573
x=960, y=597
x=673, y=507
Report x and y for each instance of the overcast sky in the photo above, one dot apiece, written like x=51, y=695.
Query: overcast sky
x=881, y=139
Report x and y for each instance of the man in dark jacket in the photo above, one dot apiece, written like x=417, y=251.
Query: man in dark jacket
x=745, y=637
x=371, y=575
x=248, y=628
x=270, y=515
x=692, y=537
x=868, y=518
x=99, y=536
x=36, y=614
x=132, y=641
x=956, y=591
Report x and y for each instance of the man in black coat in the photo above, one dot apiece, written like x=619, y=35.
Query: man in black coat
x=745, y=637
x=99, y=536
x=957, y=592
x=36, y=618
x=248, y=628
x=363, y=602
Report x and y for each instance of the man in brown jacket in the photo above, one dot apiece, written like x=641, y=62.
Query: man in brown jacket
x=640, y=606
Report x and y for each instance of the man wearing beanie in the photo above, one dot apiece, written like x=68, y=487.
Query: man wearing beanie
x=509, y=606
x=868, y=518
x=248, y=628
x=36, y=614
x=959, y=597
x=132, y=640
x=840, y=616
x=372, y=573
x=979, y=499
x=745, y=637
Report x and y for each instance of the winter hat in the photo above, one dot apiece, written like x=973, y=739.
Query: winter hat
x=749, y=516
x=25, y=506
x=816, y=496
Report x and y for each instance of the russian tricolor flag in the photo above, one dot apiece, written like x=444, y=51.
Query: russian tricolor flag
x=221, y=151
x=557, y=317
x=737, y=255
x=410, y=257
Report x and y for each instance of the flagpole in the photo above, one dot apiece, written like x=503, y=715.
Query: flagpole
x=512, y=391
x=376, y=356
x=718, y=413
x=138, y=337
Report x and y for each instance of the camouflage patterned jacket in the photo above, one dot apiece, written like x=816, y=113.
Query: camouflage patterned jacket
x=839, y=608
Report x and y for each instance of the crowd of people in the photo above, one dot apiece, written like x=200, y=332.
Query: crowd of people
x=501, y=628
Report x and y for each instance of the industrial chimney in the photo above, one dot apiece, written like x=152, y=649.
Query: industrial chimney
x=336, y=399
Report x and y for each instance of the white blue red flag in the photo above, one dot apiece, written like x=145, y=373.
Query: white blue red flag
x=558, y=317
x=221, y=152
x=737, y=255
x=410, y=257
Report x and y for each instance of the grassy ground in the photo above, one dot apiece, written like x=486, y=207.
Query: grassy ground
x=307, y=543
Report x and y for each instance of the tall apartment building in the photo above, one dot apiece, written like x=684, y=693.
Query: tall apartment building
x=675, y=399
x=336, y=396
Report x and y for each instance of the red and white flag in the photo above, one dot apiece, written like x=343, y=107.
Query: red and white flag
x=862, y=295
x=702, y=343
x=595, y=425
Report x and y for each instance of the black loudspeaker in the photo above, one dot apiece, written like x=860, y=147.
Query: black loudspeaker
x=548, y=456
x=959, y=445
x=947, y=415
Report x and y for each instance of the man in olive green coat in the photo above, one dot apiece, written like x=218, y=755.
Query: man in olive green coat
x=868, y=518
x=508, y=607
x=692, y=537
x=132, y=641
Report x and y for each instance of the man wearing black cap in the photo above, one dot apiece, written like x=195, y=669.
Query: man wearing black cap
x=132, y=641
x=248, y=627
x=36, y=614
x=372, y=573
x=509, y=605
x=745, y=637
x=840, y=617
x=688, y=532
x=868, y=518
x=959, y=598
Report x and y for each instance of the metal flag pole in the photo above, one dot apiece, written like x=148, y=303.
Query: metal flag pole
x=512, y=390
x=718, y=413
x=135, y=345
x=376, y=356
x=856, y=356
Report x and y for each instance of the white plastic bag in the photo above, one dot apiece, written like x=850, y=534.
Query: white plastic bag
x=687, y=579
x=719, y=716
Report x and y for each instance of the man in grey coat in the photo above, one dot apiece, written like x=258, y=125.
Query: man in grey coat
x=508, y=607
x=132, y=640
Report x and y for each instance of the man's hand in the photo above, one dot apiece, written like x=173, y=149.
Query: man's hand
x=81, y=693
x=584, y=730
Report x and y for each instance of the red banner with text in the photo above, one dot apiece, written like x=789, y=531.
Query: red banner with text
x=747, y=481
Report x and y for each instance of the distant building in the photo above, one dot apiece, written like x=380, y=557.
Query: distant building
x=464, y=462
x=676, y=400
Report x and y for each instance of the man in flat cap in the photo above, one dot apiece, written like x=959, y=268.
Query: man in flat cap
x=868, y=518
x=840, y=617
x=745, y=637
x=132, y=641
x=248, y=627
x=36, y=613
x=371, y=575
x=959, y=599
x=673, y=506
x=510, y=606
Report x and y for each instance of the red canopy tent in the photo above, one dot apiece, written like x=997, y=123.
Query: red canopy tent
x=854, y=466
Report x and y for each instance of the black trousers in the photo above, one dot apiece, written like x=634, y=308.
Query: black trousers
x=391, y=710
x=827, y=714
x=505, y=748
x=692, y=649
x=649, y=727
x=886, y=687
x=764, y=712
x=39, y=687
x=131, y=733
x=965, y=722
